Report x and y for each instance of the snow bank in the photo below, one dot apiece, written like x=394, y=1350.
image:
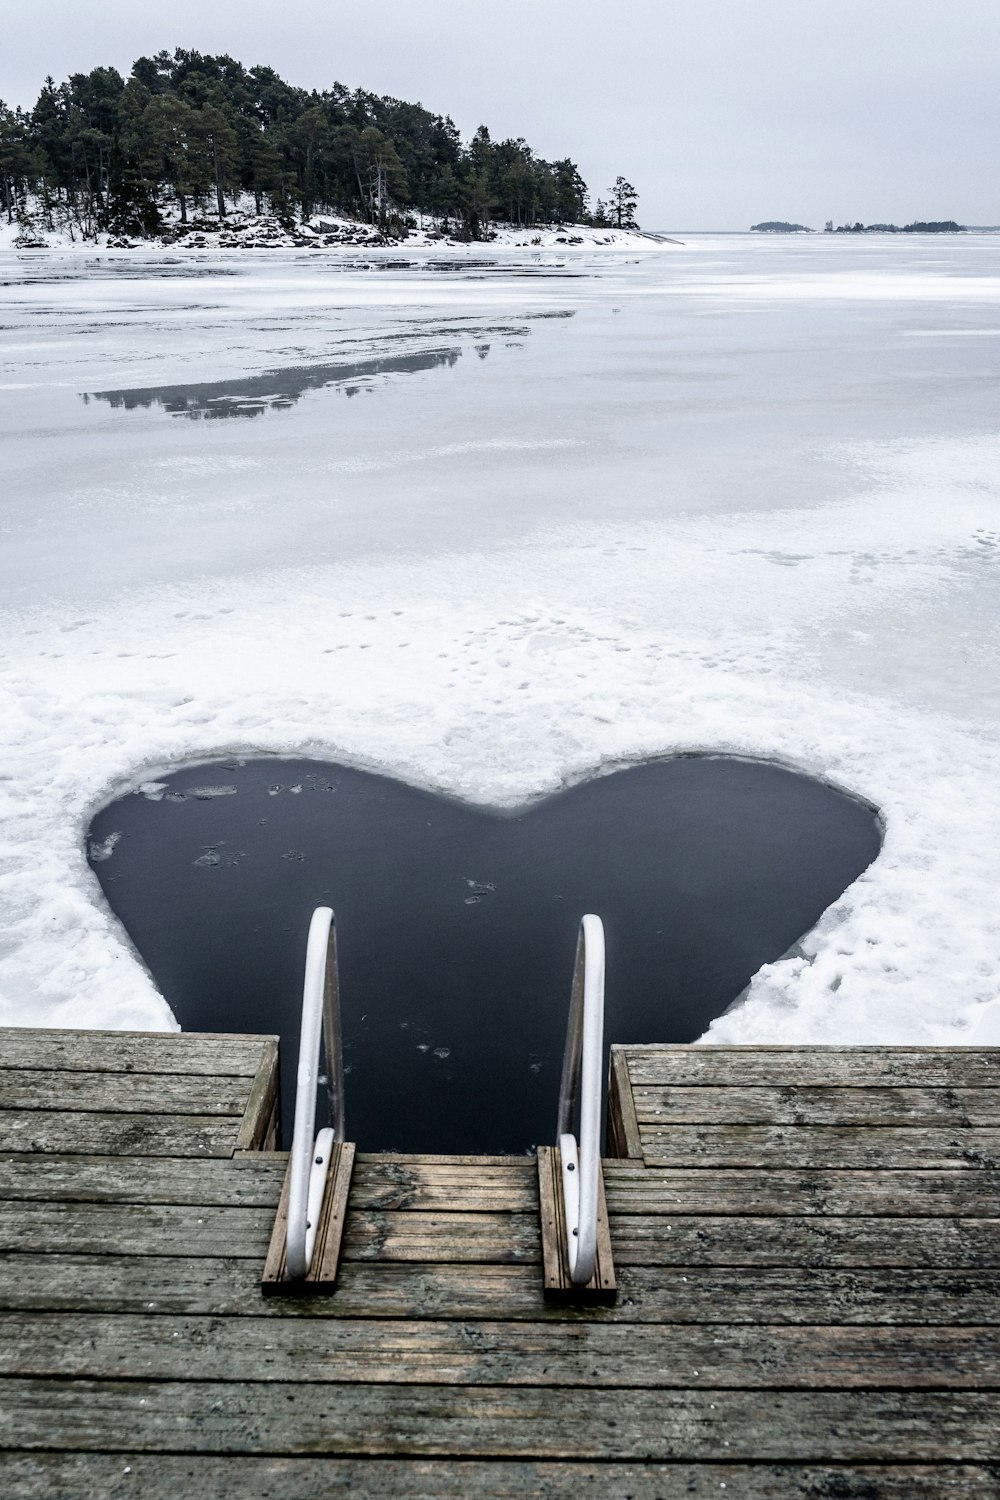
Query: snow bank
x=499, y=678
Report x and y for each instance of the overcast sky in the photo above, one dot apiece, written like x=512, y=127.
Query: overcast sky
x=721, y=112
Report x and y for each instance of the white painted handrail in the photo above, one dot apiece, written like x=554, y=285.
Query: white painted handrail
x=583, y=1067
x=310, y=1159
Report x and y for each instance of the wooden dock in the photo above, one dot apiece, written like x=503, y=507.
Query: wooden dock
x=805, y=1242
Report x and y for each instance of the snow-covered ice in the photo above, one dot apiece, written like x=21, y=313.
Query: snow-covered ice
x=491, y=523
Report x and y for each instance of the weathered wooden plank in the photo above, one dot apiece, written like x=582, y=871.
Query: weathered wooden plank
x=230, y=1286
x=507, y=1239
x=116, y=1134
x=607, y=1355
x=557, y=1282
x=502, y=1421
x=418, y=1158
x=783, y=1067
x=410, y=1183
x=140, y=1229
x=123, y=1093
x=631, y=1188
x=261, y=1126
x=215, y=1053
x=623, y=1127
x=391, y=1182
x=123, y=1475
x=500, y=1186
x=500, y=1238
x=819, y=1146
x=736, y=1105
x=753, y=1241
x=804, y=1191
x=156, y=1179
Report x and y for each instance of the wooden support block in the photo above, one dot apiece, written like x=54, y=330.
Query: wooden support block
x=623, y=1127
x=556, y=1282
x=322, y=1274
x=260, y=1124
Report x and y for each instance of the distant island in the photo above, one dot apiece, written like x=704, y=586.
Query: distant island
x=919, y=226
x=778, y=226
x=189, y=143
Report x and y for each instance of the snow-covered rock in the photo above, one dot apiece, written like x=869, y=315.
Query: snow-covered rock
x=244, y=229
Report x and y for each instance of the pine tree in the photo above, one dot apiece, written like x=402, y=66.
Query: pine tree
x=624, y=201
x=174, y=136
x=571, y=192
x=19, y=162
x=222, y=145
x=101, y=152
x=381, y=177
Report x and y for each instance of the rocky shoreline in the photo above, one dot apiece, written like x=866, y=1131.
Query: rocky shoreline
x=251, y=231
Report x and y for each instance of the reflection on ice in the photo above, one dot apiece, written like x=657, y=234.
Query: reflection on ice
x=276, y=390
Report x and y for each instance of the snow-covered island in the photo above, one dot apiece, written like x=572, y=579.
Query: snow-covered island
x=779, y=226
x=200, y=152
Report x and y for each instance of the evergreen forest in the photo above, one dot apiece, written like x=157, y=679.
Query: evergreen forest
x=187, y=134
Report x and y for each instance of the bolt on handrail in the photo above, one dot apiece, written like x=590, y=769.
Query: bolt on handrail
x=310, y=1159
x=582, y=1078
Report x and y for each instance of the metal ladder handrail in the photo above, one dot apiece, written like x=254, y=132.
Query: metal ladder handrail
x=582, y=1078
x=310, y=1159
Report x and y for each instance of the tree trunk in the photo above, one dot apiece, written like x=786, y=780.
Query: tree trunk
x=90, y=190
x=361, y=187
x=219, y=196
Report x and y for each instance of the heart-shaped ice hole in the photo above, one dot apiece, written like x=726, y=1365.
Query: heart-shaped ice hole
x=457, y=925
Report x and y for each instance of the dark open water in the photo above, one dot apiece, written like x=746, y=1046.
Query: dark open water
x=457, y=927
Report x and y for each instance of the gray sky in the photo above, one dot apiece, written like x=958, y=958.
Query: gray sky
x=721, y=112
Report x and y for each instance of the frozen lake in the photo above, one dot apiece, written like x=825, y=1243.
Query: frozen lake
x=489, y=522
